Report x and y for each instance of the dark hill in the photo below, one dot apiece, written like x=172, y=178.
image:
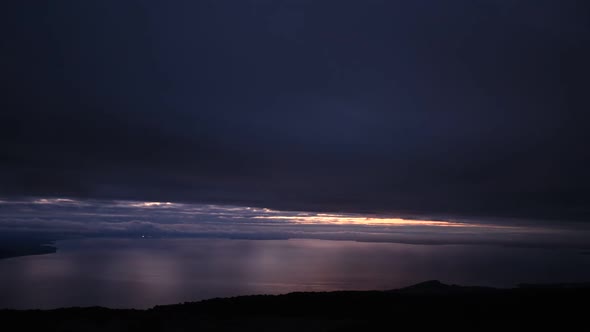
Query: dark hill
x=435, y=287
x=426, y=305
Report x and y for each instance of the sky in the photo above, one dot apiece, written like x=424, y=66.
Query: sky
x=424, y=110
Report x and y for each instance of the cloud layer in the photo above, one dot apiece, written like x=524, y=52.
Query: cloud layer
x=66, y=218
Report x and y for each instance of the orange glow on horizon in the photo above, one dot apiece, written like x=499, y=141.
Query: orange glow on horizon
x=151, y=204
x=335, y=219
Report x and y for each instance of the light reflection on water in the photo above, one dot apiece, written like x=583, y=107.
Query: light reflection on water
x=141, y=273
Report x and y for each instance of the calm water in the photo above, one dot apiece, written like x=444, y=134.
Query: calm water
x=141, y=273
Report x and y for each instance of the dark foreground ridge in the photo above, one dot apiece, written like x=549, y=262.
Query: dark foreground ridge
x=427, y=305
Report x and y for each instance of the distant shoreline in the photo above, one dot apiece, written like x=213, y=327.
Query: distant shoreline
x=28, y=249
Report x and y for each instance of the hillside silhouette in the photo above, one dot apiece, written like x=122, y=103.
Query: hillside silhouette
x=427, y=305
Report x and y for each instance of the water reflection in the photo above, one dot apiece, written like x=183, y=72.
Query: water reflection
x=143, y=273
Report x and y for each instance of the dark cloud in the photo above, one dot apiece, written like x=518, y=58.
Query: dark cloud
x=66, y=218
x=454, y=108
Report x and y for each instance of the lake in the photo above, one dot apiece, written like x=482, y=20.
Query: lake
x=142, y=273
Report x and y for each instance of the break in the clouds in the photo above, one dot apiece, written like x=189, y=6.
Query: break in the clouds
x=435, y=108
x=66, y=218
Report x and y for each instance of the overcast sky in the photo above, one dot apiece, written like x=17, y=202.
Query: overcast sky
x=456, y=108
